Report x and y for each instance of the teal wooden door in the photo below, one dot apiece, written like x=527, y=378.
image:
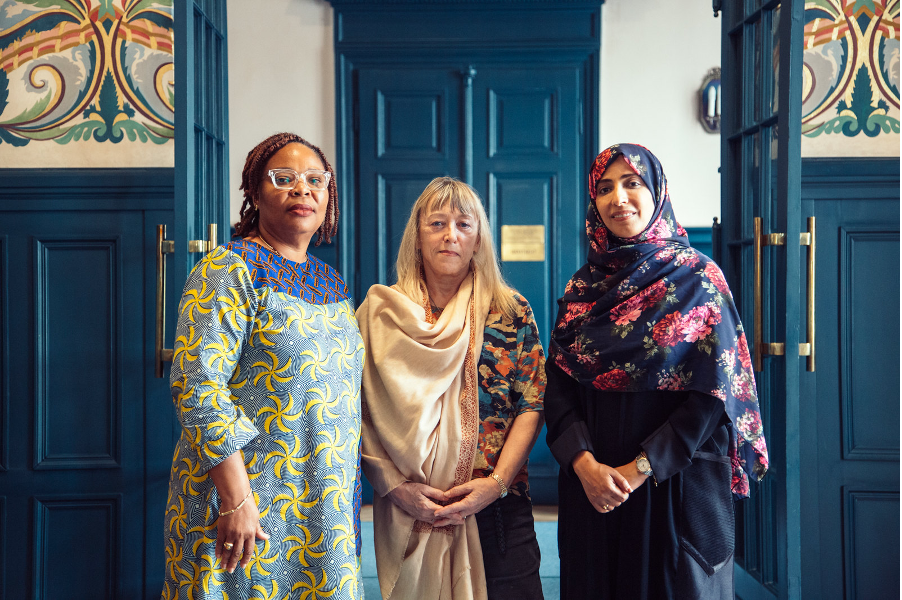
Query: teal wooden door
x=504, y=96
x=811, y=249
x=760, y=194
x=78, y=477
x=73, y=457
x=850, y=403
x=86, y=428
x=526, y=157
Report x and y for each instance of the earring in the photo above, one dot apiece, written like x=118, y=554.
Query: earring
x=256, y=208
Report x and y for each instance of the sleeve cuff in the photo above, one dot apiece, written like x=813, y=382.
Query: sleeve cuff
x=530, y=408
x=571, y=442
x=213, y=452
x=659, y=448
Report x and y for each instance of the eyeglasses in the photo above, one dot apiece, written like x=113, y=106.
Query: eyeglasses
x=287, y=179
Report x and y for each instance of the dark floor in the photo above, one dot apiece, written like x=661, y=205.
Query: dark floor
x=546, y=531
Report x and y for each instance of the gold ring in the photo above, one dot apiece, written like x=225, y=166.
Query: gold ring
x=606, y=507
x=228, y=545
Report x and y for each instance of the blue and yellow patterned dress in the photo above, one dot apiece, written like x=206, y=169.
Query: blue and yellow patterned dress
x=268, y=361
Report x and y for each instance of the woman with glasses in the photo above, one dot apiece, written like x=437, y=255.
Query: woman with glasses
x=453, y=387
x=264, y=496
x=651, y=402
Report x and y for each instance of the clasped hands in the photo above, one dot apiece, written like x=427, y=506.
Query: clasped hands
x=606, y=487
x=431, y=505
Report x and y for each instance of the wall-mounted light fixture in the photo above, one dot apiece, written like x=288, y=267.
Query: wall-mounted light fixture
x=709, y=101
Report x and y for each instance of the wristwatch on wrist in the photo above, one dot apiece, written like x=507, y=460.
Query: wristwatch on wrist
x=643, y=466
x=501, y=483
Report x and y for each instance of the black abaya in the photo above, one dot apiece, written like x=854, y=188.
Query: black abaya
x=673, y=537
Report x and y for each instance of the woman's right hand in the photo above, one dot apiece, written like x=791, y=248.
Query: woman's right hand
x=416, y=499
x=241, y=529
x=605, y=487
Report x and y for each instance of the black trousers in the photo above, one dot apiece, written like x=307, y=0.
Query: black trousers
x=510, y=551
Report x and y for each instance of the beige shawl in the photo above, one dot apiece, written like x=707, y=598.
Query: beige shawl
x=421, y=421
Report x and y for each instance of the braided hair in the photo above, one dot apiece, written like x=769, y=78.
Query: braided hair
x=253, y=174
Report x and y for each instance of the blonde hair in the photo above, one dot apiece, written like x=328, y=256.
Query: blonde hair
x=440, y=193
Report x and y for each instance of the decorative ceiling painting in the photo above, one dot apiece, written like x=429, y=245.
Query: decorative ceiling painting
x=850, y=98
x=86, y=83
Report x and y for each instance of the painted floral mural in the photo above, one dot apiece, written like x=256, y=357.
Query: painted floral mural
x=851, y=78
x=75, y=71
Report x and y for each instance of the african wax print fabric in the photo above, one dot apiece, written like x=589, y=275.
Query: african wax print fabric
x=652, y=313
x=267, y=361
x=511, y=382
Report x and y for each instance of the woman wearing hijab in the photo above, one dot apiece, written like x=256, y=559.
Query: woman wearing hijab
x=452, y=403
x=651, y=403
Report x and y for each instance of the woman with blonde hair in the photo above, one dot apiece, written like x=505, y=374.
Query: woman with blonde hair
x=453, y=390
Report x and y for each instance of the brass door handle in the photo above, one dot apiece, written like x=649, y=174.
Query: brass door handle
x=206, y=245
x=762, y=348
x=808, y=239
x=161, y=354
x=779, y=348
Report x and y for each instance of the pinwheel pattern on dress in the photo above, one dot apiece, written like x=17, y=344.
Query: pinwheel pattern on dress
x=272, y=370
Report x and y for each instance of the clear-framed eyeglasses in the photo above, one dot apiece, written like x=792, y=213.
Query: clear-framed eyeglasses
x=287, y=179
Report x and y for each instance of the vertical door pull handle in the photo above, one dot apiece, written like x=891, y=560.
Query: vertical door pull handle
x=164, y=247
x=779, y=239
x=762, y=348
x=206, y=245
x=809, y=239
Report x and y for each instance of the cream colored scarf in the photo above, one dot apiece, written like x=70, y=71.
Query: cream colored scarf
x=421, y=421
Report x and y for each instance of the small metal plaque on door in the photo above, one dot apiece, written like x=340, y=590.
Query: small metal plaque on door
x=523, y=243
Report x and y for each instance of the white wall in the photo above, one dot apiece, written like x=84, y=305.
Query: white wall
x=654, y=55
x=281, y=78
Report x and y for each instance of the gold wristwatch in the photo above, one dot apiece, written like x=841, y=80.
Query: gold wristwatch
x=501, y=483
x=643, y=466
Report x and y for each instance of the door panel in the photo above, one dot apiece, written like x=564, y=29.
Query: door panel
x=79, y=435
x=526, y=166
x=867, y=512
x=410, y=123
x=527, y=199
x=73, y=487
x=852, y=399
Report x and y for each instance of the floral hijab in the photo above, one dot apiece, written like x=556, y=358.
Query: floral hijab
x=652, y=313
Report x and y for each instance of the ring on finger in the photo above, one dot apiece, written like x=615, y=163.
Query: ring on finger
x=606, y=507
x=228, y=545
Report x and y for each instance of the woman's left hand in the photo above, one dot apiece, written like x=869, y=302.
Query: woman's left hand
x=473, y=495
